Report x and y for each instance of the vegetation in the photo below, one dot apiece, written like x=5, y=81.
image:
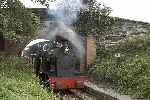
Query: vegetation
x=95, y=19
x=16, y=21
x=17, y=81
x=126, y=66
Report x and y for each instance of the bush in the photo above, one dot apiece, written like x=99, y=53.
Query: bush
x=16, y=21
x=17, y=82
x=129, y=73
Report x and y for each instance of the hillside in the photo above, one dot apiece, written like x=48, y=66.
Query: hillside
x=127, y=26
x=123, y=59
x=122, y=29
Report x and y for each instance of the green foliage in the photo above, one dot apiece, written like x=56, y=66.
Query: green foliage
x=16, y=21
x=129, y=73
x=95, y=19
x=134, y=42
x=17, y=81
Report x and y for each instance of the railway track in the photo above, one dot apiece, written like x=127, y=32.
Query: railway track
x=81, y=94
x=89, y=93
x=92, y=93
x=74, y=94
x=98, y=95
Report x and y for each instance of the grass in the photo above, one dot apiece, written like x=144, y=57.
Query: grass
x=130, y=73
x=17, y=81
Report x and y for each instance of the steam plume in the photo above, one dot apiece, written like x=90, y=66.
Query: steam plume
x=64, y=13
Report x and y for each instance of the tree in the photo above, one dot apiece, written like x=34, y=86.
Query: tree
x=95, y=19
x=16, y=21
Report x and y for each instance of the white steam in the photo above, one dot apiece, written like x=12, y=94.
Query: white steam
x=65, y=12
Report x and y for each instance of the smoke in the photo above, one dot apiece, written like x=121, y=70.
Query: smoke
x=63, y=14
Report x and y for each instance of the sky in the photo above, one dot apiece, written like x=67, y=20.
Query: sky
x=129, y=9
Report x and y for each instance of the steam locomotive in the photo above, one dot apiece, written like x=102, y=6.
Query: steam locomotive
x=57, y=64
